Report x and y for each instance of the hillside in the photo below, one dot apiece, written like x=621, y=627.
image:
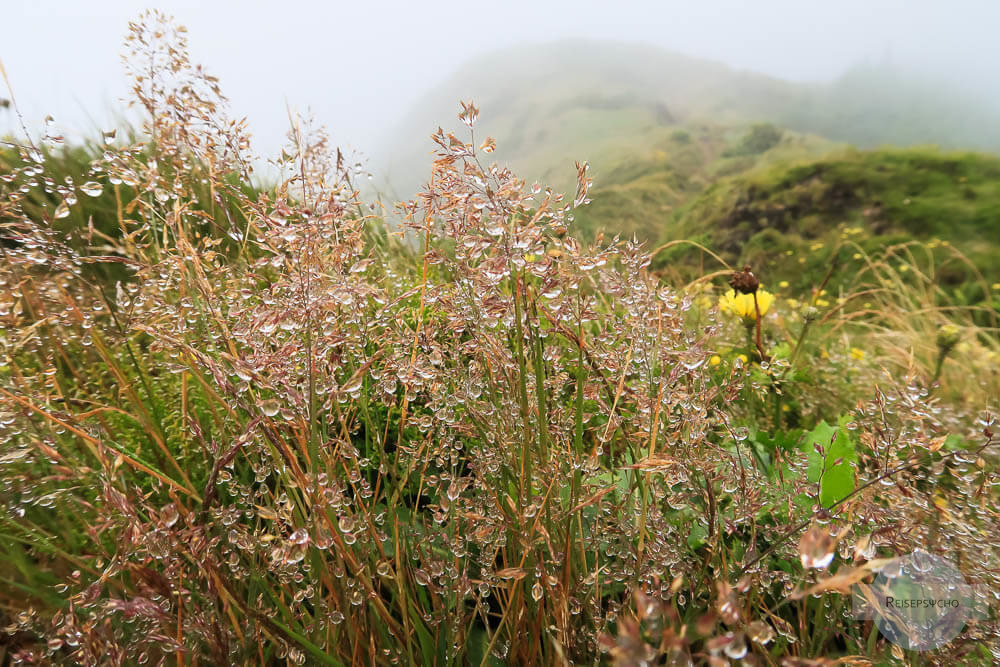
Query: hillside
x=548, y=105
x=788, y=218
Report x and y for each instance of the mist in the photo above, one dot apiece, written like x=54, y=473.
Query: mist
x=359, y=67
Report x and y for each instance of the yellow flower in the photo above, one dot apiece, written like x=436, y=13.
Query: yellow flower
x=858, y=255
x=742, y=357
x=783, y=283
x=904, y=268
x=784, y=407
x=996, y=286
x=822, y=303
x=743, y=304
x=857, y=353
x=715, y=360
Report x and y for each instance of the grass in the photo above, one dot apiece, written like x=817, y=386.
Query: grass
x=278, y=432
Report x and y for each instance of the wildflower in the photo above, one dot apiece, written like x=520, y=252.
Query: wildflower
x=858, y=255
x=857, y=353
x=743, y=304
x=743, y=358
x=996, y=286
x=783, y=283
x=715, y=360
x=794, y=303
x=904, y=268
x=822, y=303
x=947, y=337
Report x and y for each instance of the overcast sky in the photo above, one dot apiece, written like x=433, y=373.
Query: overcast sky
x=358, y=65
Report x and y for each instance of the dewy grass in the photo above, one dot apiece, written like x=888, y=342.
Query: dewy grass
x=255, y=426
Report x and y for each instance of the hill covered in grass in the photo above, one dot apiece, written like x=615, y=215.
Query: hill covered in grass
x=787, y=217
x=612, y=104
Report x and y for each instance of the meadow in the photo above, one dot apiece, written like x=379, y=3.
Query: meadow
x=283, y=424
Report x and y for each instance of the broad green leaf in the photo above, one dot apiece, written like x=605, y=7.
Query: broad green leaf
x=836, y=478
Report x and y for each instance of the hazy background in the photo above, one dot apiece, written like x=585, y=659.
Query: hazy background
x=361, y=66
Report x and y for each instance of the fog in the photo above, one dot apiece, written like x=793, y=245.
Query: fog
x=360, y=65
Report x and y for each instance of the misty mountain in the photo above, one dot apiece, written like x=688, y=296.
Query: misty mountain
x=550, y=104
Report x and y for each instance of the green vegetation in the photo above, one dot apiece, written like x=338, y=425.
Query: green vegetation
x=255, y=426
x=792, y=219
x=758, y=139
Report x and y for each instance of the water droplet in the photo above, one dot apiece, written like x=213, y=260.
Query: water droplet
x=270, y=407
x=92, y=189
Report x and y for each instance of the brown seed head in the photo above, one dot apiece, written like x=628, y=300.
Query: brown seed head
x=744, y=281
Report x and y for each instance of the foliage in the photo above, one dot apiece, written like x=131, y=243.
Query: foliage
x=760, y=138
x=287, y=434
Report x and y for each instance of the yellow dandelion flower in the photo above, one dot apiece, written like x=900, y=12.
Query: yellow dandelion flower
x=742, y=305
x=783, y=283
x=715, y=360
x=784, y=407
x=742, y=357
x=857, y=353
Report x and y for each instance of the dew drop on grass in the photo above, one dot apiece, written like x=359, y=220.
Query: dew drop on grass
x=62, y=211
x=816, y=548
x=169, y=515
x=536, y=591
x=737, y=648
x=760, y=632
x=269, y=407
x=92, y=189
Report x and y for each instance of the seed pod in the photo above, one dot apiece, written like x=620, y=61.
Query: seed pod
x=744, y=281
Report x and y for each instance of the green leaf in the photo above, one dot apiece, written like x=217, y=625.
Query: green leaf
x=833, y=470
x=698, y=536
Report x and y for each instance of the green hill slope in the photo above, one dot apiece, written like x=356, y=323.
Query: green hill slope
x=548, y=105
x=788, y=219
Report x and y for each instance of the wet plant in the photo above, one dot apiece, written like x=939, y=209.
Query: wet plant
x=288, y=427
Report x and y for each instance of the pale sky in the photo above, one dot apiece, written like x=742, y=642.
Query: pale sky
x=359, y=65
